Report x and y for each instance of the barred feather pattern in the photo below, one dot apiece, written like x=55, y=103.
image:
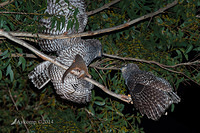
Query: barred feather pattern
x=65, y=9
x=151, y=95
x=40, y=76
x=74, y=89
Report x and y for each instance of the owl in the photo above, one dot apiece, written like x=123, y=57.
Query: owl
x=73, y=88
x=66, y=9
x=69, y=87
x=151, y=95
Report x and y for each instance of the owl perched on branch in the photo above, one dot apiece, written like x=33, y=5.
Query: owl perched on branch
x=151, y=95
x=69, y=87
x=73, y=88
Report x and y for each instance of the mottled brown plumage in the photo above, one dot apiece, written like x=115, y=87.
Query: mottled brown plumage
x=151, y=95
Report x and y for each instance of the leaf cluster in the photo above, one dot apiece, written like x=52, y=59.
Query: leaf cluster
x=169, y=38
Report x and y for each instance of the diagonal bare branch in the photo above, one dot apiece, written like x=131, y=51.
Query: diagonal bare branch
x=6, y=3
x=48, y=58
x=102, y=8
x=92, y=33
x=166, y=67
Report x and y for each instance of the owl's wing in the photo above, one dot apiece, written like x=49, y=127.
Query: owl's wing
x=89, y=49
x=67, y=10
x=150, y=95
x=165, y=86
x=73, y=89
x=40, y=76
x=94, y=50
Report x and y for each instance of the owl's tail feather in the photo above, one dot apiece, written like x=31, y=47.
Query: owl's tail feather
x=175, y=98
x=153, y=102
x=146, y=105
x=40, y=75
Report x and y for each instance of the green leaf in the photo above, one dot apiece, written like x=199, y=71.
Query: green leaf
x=76, y=12
x=23, y=62
x=4, y=53
x=5, y=56
x=77, y=25
x=100, y=103
x=172, y=107
x=19, y=50
x=8, y=70
x=197, y=49
x=91, y=109
x=11, y=75
x=69, y=24
x=189, y=48
x=99, y=98
x=138, y=119
x=5, y=64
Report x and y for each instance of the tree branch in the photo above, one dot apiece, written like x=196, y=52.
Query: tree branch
x=6, y=3
x=92, y=33
x=22, y=55
x=151, y=62
x=11, y=97
x=102, y=8
x=48, y=58
x=166, y=67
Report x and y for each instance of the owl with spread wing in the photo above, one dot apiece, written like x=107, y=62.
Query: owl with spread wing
x=151, y=95
x=69, y=87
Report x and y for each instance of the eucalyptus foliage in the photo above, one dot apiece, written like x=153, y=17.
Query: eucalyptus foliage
x=169, y=38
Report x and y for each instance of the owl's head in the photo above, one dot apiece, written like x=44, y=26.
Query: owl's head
x=95, y=47
x=128, y=68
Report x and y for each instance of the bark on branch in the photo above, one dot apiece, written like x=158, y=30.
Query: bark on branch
x=92, y=33
x=102, y=8
x=166, y=67
x=6, y=3
x=48, y=58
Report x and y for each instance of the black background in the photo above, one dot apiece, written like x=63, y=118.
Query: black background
x=186, y=115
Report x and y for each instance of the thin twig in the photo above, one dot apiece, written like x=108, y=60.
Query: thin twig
x=119, y=96
x=158, y=64
x=52, y=60
x=150, y=61
x=11, y=97
x=88, y=13
x=102, y=8
x=92, y=33
x=22, y=13
x=6, y=3
x=22, y=55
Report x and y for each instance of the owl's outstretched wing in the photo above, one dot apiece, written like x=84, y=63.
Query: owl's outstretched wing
x=151, y=95
x=40, y=76
x=89, y=49
x=72, y=89
x=66, y=9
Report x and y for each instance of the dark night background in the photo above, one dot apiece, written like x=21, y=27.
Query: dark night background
x=185, y=117
x=186, y=114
